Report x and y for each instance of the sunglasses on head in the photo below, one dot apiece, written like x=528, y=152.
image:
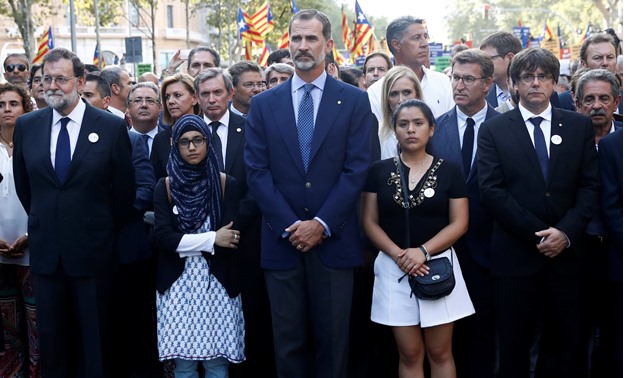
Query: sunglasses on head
x=11, y=67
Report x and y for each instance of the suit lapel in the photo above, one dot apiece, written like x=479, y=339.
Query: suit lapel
x=235, y=137
x=330, y=106
x=520, y=132
x=490, y=113
x=283, y=112
x=45, y=118
x=453, y=137
x=557, y=130
x=90, y=120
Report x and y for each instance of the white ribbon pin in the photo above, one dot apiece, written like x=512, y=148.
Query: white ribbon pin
x=429, y=192
x=93, y=137
x=239, y=130
x=556, y=139
x=175, y=211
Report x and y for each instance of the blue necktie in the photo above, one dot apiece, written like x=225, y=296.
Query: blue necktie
x=62, y=155
x=305, y=124
x=467, y=145
x=146, y=138
x=539, y=145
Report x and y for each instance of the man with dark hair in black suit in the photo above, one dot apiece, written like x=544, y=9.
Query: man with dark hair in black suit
x=538, y=173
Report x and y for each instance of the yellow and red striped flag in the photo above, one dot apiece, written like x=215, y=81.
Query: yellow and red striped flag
x=346, y=31
x=263, y=58
x=262, y=20
x=362, y=32
x=46, y=43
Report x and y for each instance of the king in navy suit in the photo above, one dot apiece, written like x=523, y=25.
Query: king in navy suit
x=75, y=179
x=538, y=174
x=307, y=154
x=474, y=339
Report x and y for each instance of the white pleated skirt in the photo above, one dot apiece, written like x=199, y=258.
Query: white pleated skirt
x=393, y=306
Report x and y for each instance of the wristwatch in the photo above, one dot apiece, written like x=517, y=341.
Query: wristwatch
x=428, y=257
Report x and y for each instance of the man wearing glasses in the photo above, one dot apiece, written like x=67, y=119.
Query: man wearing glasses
x=455, y=140
x=16, y=69
x=501, y=47
x=538, y=174
x=247, y=82
x=74, y=177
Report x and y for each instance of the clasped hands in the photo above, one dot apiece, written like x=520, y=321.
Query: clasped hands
x=412, y=262
x=553, y=242
x=306, y=235
x=15, y=250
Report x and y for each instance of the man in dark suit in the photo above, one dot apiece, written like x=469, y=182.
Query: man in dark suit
x=75, y=179
x=610, y=151
x=214, y=89
x=455, y=139
x=598, y=94
x=307, y=154
x=538, y=173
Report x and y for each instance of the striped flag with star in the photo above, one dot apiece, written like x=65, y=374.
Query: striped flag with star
x=246, y=30
x=46, y=43
x=362, y=32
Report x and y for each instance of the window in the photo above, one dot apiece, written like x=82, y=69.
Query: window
x=170, y=18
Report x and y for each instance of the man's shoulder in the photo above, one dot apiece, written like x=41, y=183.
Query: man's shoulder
x=501, y=120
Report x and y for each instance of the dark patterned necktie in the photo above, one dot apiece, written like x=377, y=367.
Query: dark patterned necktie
x=305, y=124
x=217, y=144
x=63, y=154
x=539, y=145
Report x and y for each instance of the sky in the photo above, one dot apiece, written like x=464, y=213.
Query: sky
x=433, y=11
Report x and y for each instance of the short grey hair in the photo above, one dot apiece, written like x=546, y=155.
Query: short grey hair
x=145, y=84
x=398, y=27
x=211, y=73
x=278, y=67
x=598, y=74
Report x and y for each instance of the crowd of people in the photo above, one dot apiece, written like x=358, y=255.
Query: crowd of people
x=265, y=221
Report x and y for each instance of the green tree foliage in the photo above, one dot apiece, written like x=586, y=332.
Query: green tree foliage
x=109, y=11
x=467, y=16
x=22, y=13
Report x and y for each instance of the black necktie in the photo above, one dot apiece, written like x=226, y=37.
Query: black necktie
x=217, y=144
x=539, y=145
x=63, y=153
x=467, y=145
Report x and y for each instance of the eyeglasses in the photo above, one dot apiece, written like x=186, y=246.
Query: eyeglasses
x=250, y=84
x=529, y=78
x=11, y=67
x=467, y=80
x=590, y=100
x=196, y=141
x=61, y=80
x=149, y=101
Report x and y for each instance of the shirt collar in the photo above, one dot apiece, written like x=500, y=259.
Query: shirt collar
x=545, y=114
x=75, y=115
x=478, y=117
x=319, y=82
x=224, y=120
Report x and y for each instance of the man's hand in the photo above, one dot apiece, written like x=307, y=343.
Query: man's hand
x=5, y=248
x=306, y=235
x=553, y=242
x=20, y=244
x=175, y=62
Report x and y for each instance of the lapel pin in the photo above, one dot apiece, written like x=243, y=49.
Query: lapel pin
x=429, y=192
x=560, y=125
x=556, y=139
x=339, y=102
x=93, y=137
x=239, y=130
x=175, y=211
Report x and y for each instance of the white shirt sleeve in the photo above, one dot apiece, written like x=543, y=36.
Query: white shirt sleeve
x=194, y=244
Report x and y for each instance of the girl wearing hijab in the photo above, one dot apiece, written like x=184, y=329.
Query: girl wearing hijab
x=199, y=310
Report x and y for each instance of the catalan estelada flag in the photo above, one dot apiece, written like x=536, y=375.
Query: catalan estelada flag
x=96, y=56
x=284, y=42
x=263, y=58
x=346, y=31
x=362, y=32
x=262, y=20
x=246, y=30
x=46, y=43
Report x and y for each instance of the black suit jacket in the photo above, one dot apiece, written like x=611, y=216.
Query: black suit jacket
x=446, y=144
x=512, y=185
x=612, y=171
x=491, y=98
x=160, y=153
x=74, y=223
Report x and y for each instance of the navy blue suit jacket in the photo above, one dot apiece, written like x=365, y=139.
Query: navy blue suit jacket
x=446, y=144
x=74, y=224
x=610, y=151
x=339, y=161
x=513, y=187
x=133, y=244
